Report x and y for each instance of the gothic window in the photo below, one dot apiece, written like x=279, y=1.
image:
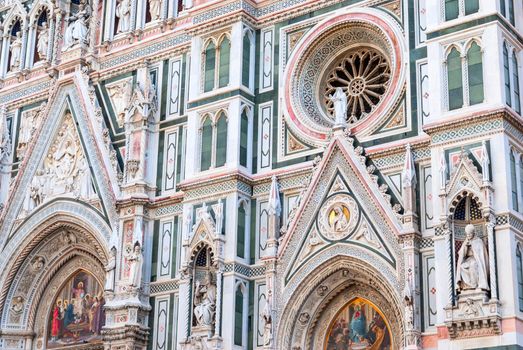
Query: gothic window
x=241, y=230
x=511, y=17
x=206, y=147
x=239, y=302
x=451, y=9
x=221, y=140
x=457, y=8
x=513, y=181
x=502, y=7
x=225, y=53
x=246, y=60
x=521, y=182
x=467, y=210
x=216, y=64
x=475, y=74
x=519, y=272
x=210, y=67
x=213, y=141
x=506, y=70
x=455, y=79
x=244, y=137
x=515, y=74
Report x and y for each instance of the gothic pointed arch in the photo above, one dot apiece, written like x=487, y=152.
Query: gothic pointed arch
x=68, y=113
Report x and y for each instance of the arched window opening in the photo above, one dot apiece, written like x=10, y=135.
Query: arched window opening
x=241, y=231
x=206, y=142
x=513, y=182
x=221, y=140
x=210, y=67
x=238, y=317
x=246, y=61
x=475, y=74
x=455, y=79
x=515, y=75
x=506, y=70
x=225, y=52
x=519, y=273
x=244, y=138
x=511, y=17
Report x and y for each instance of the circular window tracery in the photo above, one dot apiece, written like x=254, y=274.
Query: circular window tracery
x=364, y=76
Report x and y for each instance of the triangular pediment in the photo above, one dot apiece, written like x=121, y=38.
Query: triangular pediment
x=65, y=157
x=464, y=176
x=342, y=208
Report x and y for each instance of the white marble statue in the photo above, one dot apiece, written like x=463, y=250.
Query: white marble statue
x=77, y=30
x=16, y=52
x=86, y=186
x=339, y=100
x=109, y=270
x=123, y=12
x=43, y=41
x=205, y=301
x=472, y=265
x=339, y=221
x=154, y=9
x=136, y=260
x=267, y=328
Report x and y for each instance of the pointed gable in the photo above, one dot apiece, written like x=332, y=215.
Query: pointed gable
x=64, y=156
x=344, y=207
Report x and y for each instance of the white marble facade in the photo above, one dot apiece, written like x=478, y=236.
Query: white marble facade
x=261, y=175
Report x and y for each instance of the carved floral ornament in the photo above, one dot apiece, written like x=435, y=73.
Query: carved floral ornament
x=359, y=51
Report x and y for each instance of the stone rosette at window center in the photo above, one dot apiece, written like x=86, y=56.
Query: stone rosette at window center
x=360, y=51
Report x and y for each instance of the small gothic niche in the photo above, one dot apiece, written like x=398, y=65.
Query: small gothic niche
x=204, y=291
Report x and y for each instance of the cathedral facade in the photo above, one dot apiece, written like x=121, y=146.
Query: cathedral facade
x=261, y=174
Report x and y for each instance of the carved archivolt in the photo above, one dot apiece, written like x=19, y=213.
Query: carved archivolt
x=305, y=318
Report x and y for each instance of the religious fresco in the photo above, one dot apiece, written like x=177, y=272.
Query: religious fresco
x=359, y=326
x=77, y=315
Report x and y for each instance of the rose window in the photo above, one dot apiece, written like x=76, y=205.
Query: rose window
x=364, y=76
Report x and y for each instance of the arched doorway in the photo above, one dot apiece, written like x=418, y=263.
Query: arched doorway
x=336, y=291
x=51, y=255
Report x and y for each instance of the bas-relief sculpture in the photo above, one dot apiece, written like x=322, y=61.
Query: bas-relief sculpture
x=472, y=264
x=65, y=170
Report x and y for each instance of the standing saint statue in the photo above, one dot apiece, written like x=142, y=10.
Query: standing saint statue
x=77, y=30
x=136, y=260
x=123, y=12
x=109, y=270
x=43, y=41
x=154, y=9
x=16, y=52
x=339, y=100
x=471, y=268
x=205, y=301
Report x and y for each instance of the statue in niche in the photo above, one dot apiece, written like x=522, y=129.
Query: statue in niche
x=339, y=100
x=26, y=131
x=5, y=138
x=205, y=301
x=43, y=41
x=120, y=96
x=136, y=261
x=77, y=30
x=36, y=191
x=123, y=12
x=109, y=270
x=154, y=9
x=471, y=268
x=16, y=51
x=267, y=319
